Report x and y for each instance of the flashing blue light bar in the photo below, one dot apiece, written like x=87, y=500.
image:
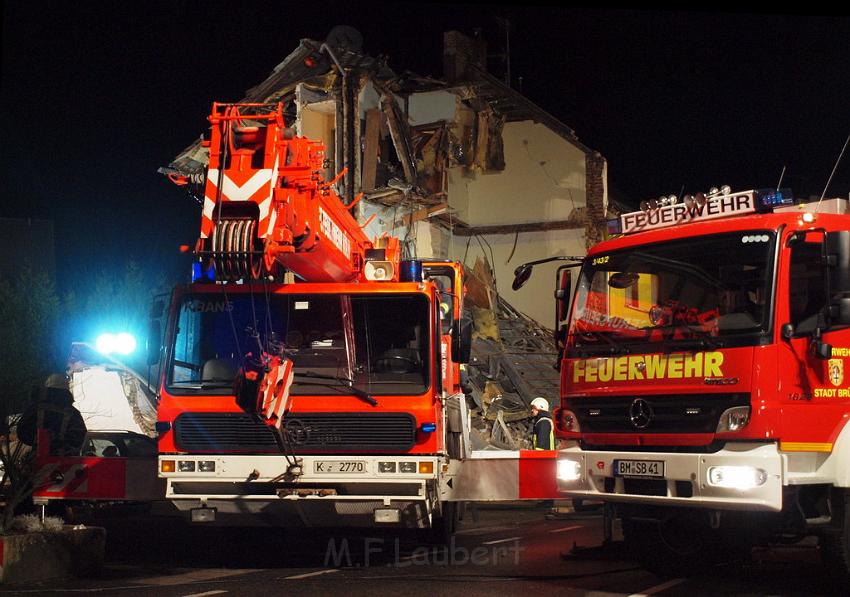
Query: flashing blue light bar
x=122, y=343
x=767, y=199
x=428, y=427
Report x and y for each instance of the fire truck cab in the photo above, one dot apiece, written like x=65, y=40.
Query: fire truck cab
x=705, y=377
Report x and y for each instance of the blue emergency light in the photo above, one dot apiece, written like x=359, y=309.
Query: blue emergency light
x=411, y=271
x=199, y=274
x=428, y=427
x=123, y=343
x=767, y=199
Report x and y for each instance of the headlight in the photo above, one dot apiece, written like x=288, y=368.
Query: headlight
x=736, y=477
x=733, y=419
x=186, y=466
x=569, y=470
x=567, y=421
x=206, y=466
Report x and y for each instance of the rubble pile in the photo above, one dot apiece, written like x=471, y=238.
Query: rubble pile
x=512, y=363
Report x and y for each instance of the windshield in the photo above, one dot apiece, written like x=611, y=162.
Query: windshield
x=377, y=343
x=711, y=291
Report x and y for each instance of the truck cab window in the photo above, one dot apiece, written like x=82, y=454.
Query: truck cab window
x=381, y=342
x=806, y=282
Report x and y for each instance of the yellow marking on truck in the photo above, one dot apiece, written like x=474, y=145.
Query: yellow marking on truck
x=654, y=366
x=805, y=447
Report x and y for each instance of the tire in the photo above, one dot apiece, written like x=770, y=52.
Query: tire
x=443, y=527
x=680, y=543
x=580, y=506
x=834, y=544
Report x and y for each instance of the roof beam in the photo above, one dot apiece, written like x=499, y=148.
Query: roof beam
x=511, y=228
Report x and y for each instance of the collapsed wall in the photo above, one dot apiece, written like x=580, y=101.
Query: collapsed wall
x=512, y=363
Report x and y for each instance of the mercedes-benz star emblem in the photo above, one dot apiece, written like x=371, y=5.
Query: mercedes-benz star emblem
x=297, y=431
x=640, y=413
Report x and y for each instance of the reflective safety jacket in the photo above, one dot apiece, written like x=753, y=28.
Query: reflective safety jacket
x=544, y=432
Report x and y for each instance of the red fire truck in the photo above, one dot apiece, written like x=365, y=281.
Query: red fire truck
x=310, y=376
x=705, y=376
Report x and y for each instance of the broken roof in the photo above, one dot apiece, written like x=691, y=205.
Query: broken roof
x=316, y=64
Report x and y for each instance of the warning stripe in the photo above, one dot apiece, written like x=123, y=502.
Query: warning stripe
x=805, y=447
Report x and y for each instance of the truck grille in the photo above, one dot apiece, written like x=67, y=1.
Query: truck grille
x=308, y=433
x=683, y=413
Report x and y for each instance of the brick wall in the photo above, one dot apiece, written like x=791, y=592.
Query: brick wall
x=596, y=175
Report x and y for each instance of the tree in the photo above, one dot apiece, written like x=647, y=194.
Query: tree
x=30, y=312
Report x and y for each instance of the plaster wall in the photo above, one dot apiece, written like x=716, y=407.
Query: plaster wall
x=544, y=180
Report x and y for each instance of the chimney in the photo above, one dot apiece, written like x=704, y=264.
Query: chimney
x=459, y=51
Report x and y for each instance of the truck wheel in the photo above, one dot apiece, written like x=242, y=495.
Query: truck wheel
x=579, y=505
x=443, y=527
x=680, y=544
x=834, y=545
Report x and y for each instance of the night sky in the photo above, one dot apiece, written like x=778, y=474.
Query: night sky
x=97, y=95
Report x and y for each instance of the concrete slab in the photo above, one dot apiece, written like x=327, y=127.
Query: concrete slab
x=71, y=552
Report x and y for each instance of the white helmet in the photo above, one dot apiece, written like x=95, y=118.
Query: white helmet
x=541, y=403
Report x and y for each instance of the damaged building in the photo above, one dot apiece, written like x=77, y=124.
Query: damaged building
x=465, y=168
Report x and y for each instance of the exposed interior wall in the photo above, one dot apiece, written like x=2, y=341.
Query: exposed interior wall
x=317, y=124
x=431, y=106
x=535, y=299
x=544, y=179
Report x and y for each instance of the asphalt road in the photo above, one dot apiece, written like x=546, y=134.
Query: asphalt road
x=499, y=551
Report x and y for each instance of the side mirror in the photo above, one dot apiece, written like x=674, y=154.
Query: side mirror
x=462, y=340
x=841, y=310
x=838, y=261
x=157, y=309
x=563, y=283
x=837, y=246
x=154, y=342
x=821, y=350
x=521, y=276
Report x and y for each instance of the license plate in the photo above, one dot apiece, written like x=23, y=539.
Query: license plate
x=339, y=467
x=653, y=469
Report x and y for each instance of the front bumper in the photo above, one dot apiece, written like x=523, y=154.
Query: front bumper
x=244, y=487
x=685, y=480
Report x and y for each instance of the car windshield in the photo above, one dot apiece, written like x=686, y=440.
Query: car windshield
x=379, y=344
x=710, y=291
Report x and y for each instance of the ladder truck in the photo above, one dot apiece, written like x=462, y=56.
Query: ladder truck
x=705, y=376
x=310, y=376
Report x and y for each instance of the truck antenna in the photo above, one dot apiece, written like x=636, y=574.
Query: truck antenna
x=781, y=176
x=834, y=168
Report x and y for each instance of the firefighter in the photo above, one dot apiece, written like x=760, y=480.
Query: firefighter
x=543, y=433
x=52, y=408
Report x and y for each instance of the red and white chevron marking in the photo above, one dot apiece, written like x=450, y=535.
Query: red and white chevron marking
x=256, y=187
x=274, y=389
